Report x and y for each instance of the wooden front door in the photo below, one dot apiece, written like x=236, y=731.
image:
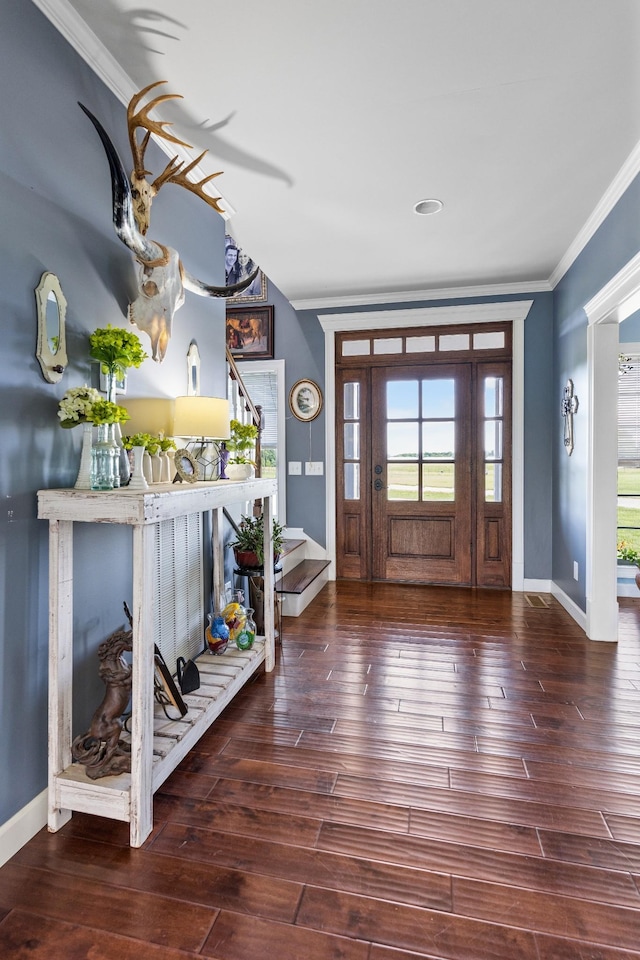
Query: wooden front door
x=424, y=470
x=421, y=499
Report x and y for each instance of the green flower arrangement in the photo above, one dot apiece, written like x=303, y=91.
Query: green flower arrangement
x=628, y=554
x=103, y=411
x=242, y=439
x=116, y=349
x=151, y=444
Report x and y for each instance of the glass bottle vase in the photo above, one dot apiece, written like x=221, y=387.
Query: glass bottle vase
x=105, y=456
x=124, y=468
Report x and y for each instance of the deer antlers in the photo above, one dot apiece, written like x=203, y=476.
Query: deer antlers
x=175, y=171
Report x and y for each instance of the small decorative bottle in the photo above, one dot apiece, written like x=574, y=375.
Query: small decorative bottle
x=247, y=633
x=105, y=458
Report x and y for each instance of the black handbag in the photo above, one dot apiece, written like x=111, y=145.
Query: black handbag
x=188, y=675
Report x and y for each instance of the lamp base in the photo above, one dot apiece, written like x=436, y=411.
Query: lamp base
x=206, y=454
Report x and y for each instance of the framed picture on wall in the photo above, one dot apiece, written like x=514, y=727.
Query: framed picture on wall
x=305, y=400
x=238, y=266
x=250, y=332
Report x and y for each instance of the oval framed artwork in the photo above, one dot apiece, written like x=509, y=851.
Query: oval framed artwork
x=305, y=400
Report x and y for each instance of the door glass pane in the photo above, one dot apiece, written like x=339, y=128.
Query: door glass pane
x=438, y=440
x=438, y=481
x=352, y=481
x=493, y=398
x=352, y=401
x=438, y=398
x=493, y=482
x=402, y=481
x=352, y=441
x=493, y=440
x=402, y=399
x=402, y=441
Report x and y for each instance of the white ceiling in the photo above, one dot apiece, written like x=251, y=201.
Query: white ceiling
x=330, y=119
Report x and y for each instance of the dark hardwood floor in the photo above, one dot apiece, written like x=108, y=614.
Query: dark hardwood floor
x=428, y=773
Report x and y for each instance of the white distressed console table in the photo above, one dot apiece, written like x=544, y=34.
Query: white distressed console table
x=157, y=745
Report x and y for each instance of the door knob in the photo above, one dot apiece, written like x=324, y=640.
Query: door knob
x=377, y=484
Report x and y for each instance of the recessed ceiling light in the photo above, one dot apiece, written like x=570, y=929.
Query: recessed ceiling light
x=427, y=207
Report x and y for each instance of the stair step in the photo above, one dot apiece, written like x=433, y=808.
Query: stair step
x=301, y=576
x=290, y=545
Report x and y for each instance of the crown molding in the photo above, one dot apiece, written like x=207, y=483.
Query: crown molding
x=511, y=311
x=619, y=298
x=415, y=296
x=615, y=190
x=73, y=28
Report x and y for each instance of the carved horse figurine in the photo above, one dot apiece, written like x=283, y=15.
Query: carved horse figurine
x=162, y=276
x=100, y=748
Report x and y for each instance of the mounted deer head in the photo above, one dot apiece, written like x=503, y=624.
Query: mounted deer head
x=162, y=276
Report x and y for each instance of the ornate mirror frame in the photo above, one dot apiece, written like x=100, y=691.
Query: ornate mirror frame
x=51, y=350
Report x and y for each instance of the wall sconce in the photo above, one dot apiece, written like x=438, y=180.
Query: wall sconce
x=569, y=408
x=205, y=420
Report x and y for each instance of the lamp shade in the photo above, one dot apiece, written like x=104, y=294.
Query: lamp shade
x=201, y=417
x=152, y=415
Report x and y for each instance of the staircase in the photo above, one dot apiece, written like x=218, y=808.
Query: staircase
x=304, y=573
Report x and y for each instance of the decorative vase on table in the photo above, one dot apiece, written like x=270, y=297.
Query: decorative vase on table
x=105, y=457
x=138, y=481
x=84, y=473
x=124, y=468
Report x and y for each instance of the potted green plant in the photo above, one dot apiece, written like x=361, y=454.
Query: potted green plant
x=629, y=555
x=241, y=445
x=248, y=546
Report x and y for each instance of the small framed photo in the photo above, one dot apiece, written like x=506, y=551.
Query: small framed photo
x=305, y=400
x=250, y=332
x=186, y=466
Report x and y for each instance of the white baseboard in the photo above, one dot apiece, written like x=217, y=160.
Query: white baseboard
x=536, y=586
x=572, y=608
x=23, y=826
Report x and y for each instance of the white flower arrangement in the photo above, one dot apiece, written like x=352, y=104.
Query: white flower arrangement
x=75, y=406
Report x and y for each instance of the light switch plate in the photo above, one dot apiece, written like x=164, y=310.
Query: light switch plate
x=314, y=468
x=295, y=468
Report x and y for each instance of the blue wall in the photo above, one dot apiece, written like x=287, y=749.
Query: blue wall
x=615, y=243
x=55, y=208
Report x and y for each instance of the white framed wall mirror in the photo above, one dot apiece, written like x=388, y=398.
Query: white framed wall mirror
x=51, y=350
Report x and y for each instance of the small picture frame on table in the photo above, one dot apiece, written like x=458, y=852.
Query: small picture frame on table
x=186, y=466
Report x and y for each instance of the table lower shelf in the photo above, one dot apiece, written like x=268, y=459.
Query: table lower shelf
x=221, y=678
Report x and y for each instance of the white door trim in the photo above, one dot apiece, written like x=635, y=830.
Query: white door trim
x=616, y=301
x=513, y=311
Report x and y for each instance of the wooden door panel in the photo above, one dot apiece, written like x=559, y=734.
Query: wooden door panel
x=433, y=538
x=416, y=535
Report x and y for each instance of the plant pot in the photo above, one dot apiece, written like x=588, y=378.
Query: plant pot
x=247, y=560
x=239, y=471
